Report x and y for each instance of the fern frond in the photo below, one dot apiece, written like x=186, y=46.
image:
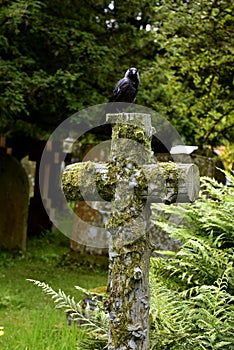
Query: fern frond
x=195, y=286
x=96, y=321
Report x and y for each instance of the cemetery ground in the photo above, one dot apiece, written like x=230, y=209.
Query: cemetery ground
x=192, y=291
x=28, y=316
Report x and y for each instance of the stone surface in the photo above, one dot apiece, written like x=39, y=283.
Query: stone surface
x=14, y=200
x=131, y=180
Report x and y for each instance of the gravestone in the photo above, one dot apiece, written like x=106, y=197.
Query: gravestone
x=14, y=200
x=131, y=181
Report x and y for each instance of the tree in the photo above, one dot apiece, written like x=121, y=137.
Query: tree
x=191, y=81
x=59, y=57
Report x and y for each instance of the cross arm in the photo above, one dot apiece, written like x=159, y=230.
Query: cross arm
x=166, y=182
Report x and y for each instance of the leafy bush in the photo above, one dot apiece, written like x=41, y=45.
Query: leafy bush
x=192, y=291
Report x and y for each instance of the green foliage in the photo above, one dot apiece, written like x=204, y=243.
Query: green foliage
x=58, y=57
x=193, y=290
x=191, y=81
x=199, y=318
x=94, y=320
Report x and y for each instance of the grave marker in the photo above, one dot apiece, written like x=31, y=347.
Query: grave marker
x=131, y=180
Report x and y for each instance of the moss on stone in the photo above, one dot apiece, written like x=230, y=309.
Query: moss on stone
x=171, y=175
x=76, y=177
x=133, y=176
x=132, y=132
x=106, y=183
x=125, y=290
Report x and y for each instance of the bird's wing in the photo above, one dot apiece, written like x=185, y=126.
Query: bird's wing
x=120, y=89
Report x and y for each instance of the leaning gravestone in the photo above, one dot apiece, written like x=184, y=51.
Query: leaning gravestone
x=131, y=180
x=14, y=200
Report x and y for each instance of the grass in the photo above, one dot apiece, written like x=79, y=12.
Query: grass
x=28, y=316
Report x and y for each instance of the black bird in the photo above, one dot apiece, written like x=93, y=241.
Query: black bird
x=126, y=89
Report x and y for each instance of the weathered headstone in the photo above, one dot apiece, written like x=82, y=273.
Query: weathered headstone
x=131, y=180
x=87, y=222
x=14, y=199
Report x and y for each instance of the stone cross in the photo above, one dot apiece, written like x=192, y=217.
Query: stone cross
x=131, y=180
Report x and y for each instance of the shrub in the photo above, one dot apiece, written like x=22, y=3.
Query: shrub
x=192, y=301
